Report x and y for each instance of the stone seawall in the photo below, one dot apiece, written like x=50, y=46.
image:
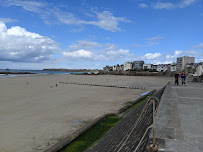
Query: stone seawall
x=135, y=73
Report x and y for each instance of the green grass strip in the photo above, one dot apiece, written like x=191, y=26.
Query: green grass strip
x=140, y=102
x=88, y=139
x=94, y=134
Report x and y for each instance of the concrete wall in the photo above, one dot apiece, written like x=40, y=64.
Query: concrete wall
x=134, y=73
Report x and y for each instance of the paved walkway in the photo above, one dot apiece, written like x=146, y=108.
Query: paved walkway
x=179, y=121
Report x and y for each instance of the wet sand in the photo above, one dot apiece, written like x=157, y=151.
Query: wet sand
x=35, y=116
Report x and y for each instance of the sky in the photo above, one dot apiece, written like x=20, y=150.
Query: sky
x=90, y=34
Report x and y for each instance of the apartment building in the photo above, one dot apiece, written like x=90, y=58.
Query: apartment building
x=147, y=66
x=137, y=64
x=127, y=66
x=172, y=67
x=182, y=61
x=162, y=67
x=199, y=69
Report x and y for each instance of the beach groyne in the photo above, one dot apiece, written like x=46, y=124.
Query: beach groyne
x=105, y=85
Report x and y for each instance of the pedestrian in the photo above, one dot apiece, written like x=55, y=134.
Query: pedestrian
x=183, y=78
x=176, y=78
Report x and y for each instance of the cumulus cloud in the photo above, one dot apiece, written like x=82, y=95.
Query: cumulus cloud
x=118, y=52
x=94, y=51
x=150, y=56
x=176, y=54
x=78, y=54
x=18, y=44
x=105, y=20
x=179, y=53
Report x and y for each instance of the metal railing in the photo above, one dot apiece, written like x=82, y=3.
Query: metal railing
x=149, y=110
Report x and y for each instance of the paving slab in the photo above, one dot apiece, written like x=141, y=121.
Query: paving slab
x=179, y=121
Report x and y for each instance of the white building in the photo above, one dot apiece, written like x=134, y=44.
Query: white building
x=127, y=66
x=182, y=61
x=116, y=67
x=121, y=67
x=172, y=67
x=137, y=64
x=147, y=66
x=107, y=68
x=154, y=67
x=199, y=69
x=162, y=67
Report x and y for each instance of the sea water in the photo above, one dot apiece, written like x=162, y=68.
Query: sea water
x=44, y=72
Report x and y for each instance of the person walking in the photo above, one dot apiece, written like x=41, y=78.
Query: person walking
x=183, y=78
x=177, y=78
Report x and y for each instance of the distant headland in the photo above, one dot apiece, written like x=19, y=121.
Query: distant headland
x=16, y=73
x=72, y=70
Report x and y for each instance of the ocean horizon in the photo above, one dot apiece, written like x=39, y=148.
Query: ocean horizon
x=43, y=72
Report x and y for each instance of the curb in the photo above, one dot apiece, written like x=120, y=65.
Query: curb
x=77, y=133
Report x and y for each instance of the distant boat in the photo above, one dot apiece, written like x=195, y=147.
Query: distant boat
x=7, y=69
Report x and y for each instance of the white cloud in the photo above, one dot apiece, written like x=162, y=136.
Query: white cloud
x=18, y=44
x=199, y=60
x=19, y=32
x=150, y=56
x=78, y=54
x=169, y=5
x=94, y=51
x=167, y=62
x=176, y=54
x=186, y=3
x=155, y=38
x=105, y=20
x=117, y=52
x=179, y=53
x=31, y=6
x=83, y=44
x=199, y=46
x=143, y=5
x=8, y=20
x=164, y=6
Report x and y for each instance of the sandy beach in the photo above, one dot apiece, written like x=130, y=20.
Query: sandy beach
x=35, y=114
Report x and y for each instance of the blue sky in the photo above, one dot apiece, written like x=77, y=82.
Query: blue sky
x=94, y=33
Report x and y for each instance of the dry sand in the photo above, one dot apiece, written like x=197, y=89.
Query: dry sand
x=37, y=115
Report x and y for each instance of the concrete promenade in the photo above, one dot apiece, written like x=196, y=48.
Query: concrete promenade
x=179, y=121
